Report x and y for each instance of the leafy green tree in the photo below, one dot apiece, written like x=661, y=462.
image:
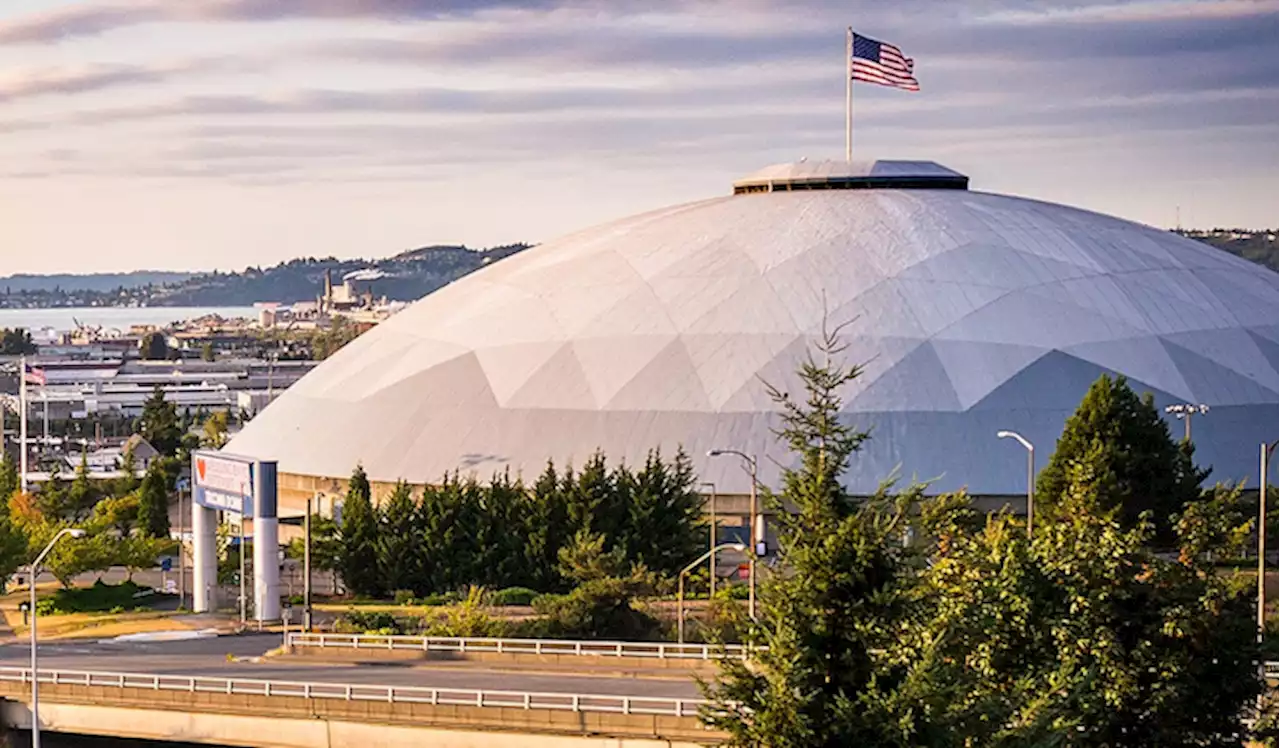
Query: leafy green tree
x=138, y=552
x=16, y=341
x=153, y=502
x=10, y=481
x=13, y=549
x=1081, y=635
x=816, y=681
x=215, y=431
x=159, y=423
x=153, y=347
x=1149, y=470
x=120, y=513
x=71, y=557
x=396, y=547
x=603, y=603
x=359, y=537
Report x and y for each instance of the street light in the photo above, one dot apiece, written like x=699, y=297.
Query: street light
x=1031, y=472
x=1267, y=450
x=74, y=532
x=754, y=527
x=680, y=587
x=1184, y=411
x=712, y=540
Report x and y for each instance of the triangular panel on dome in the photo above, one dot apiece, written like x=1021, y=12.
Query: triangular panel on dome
x=1248, y=296
x=977, y=369
x=1143, y=359
x=1057, y=381
x=918, y=382
x=507, y=368
x=1175, y=299
x=1214, y=384
x=753, y=308
x=937, y=304
x=558, y=383
x=727, y=363
x=1265, y=341
x=501, y=314
x=1022, y=318
x=639, y=312
x=669, y=382
x=610, y=363
x=688, y=298
x=1100, y=294
x=1230, y=348
x=830, y=273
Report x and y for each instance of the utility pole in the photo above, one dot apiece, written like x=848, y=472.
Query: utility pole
x=306, y=570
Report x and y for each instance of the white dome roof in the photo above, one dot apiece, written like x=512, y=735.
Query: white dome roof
x=973, y=312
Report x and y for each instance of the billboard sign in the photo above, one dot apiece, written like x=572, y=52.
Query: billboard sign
x=222, y=481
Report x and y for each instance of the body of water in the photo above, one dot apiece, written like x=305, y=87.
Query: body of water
x=63, y=319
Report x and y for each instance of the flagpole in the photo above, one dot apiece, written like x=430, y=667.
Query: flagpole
x=22, y=420
x=848, y=95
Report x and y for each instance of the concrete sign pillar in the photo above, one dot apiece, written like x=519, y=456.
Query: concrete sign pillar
x=204, y=529
x=266, y=544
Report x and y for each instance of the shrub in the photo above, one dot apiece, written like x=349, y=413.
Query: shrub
x=514, y=596
x=404, y=597
x=114, y=598
x=434, y=599
x=368, y=622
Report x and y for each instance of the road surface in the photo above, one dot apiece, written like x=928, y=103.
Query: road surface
x=208, y=657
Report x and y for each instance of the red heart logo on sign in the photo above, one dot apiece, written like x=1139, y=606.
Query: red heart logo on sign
x=200, y=468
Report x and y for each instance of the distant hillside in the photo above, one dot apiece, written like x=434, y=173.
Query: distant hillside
x=1255, y=246
x=89, y=282
x=407, y=276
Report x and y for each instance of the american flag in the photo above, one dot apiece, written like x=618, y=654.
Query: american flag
x=884, y=64
x=35, y=375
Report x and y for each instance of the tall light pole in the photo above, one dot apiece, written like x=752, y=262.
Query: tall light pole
x=1031, y=473
x=1184, y=411
x=680, y=592
x=1263, y=469
x=712, y=541
x=35, y=663
x=754, y=524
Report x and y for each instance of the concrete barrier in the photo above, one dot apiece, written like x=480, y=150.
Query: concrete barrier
x=289, y=721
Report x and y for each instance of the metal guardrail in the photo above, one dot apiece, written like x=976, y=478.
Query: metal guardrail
x=656, y=650
x=573, y=702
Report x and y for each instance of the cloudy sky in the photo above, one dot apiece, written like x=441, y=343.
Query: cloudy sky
x=192, y=134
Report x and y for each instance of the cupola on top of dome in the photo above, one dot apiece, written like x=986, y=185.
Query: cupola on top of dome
x=852, y=175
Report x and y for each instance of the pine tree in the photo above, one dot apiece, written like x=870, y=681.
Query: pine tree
x=818, y=682
x=153, y=503
x=665, y=528
x=397, y=546
x=360, y=537
x=159, y=423
x=83, y=494
x=547, y=531
x=1150, y=471
x=128, y=482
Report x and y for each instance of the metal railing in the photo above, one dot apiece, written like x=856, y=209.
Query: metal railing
x=573, y=702
x=656, y=650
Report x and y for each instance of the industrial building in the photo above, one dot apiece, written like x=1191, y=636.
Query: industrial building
x=972, y=312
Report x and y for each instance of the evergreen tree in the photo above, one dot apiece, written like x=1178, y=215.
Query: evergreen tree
x=159, y=423
x=588, y=497
x=665, y=528
x=52, y=500
x=128, y=482
x=83, y=494
x=818, y=682
x=502, y=559
x=397, y=546
x=153, y=503
x=359, y=537
x=1150, y=471
x=547, y=531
